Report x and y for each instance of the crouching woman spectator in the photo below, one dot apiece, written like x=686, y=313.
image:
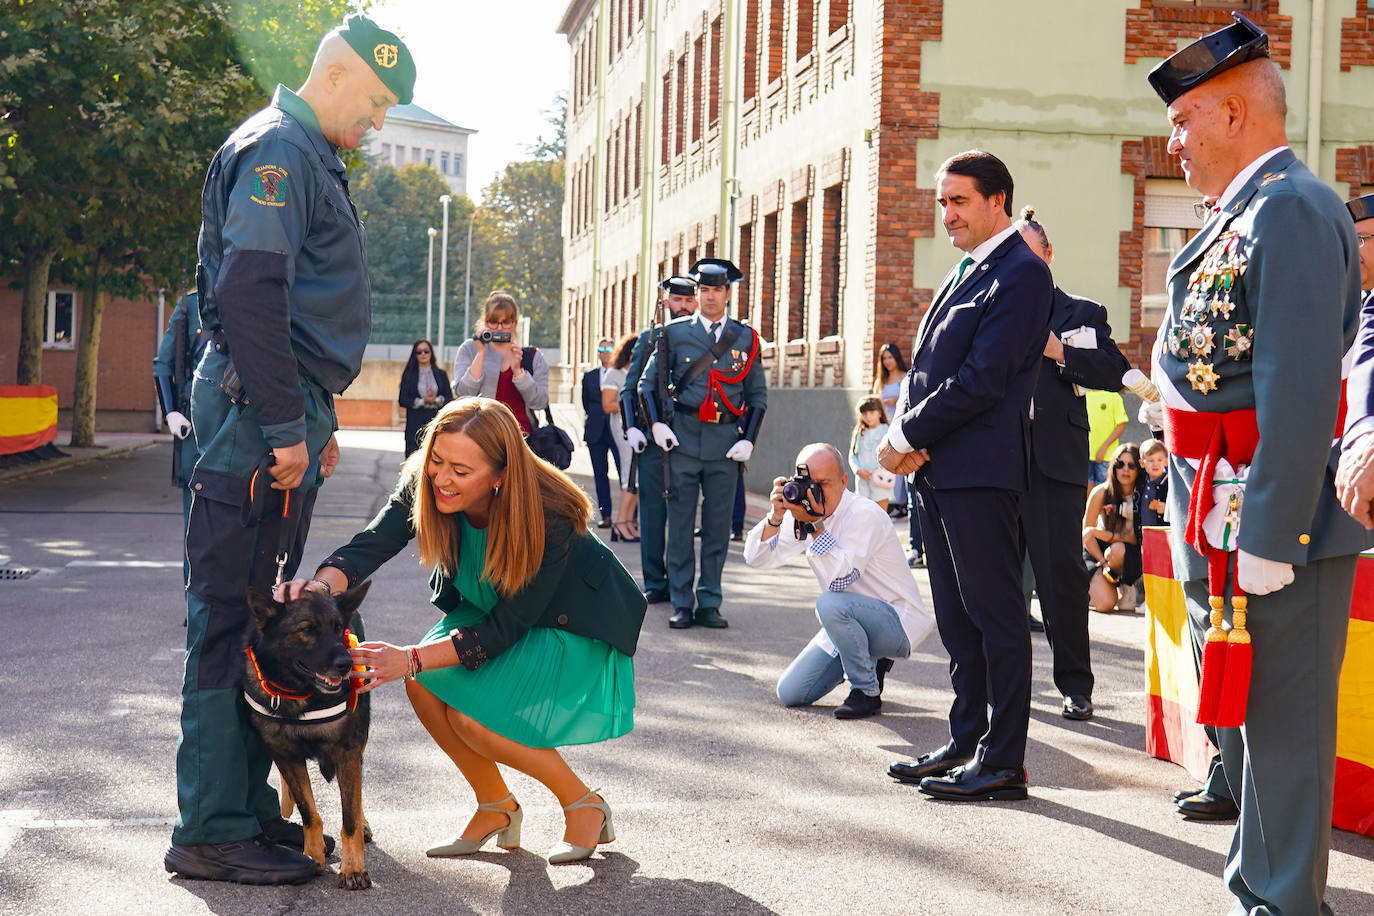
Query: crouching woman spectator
x=1111, y=534
x=540, y=622
x=869, y=608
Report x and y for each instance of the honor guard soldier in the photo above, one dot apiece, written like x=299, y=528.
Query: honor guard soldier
x=284, y=295
x=680, y=296
x=718, y=395
x=1262, y=305
x=177, y=354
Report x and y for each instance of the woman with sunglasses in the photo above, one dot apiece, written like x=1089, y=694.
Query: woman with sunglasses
x=424, y=389
x=1111, y=533
x=500, y=369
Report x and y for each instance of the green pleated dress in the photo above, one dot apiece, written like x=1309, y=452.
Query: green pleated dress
x=550, y=689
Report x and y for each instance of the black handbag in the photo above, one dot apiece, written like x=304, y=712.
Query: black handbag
x=548, y=441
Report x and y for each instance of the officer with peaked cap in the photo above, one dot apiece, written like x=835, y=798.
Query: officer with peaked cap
x=680, y=296
x=719, y=397
x=284, y=295
x=1262, y=304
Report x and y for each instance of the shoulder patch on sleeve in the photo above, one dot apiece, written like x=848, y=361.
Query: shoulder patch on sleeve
x=269, y=185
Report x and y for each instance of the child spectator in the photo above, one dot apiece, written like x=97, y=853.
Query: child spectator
x=1154, y=459
x=870, y=479
x=1106, y=423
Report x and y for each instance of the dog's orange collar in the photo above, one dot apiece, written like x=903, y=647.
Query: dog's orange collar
x=276, y=691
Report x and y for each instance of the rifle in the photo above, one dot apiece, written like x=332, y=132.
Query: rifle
x=181, y=387
x=665, y=400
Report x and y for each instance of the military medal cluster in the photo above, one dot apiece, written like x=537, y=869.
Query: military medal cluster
x=1208, y=304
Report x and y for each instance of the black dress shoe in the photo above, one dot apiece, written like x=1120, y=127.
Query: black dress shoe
x=983, y=784
x=605, y=522
x=1181, y=794
x=654, y=596
x=881, y=669
x=858, y=705
x=710, y=617
x=292, y=835
x=1077, y=708
x=681, y=619
x=1205, y=806
x=1035, y=624
x=253, y=861
x=936, y=763
x=736, y=535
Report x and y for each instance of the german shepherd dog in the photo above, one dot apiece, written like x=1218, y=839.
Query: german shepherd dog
x=302, y=704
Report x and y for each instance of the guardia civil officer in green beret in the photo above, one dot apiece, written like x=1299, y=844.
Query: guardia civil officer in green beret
x=719, y=397
x=680, y=296
x=1263, y=303
x=284, y=295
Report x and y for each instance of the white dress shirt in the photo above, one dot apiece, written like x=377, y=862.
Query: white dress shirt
x=858, y=553
x=706, y=325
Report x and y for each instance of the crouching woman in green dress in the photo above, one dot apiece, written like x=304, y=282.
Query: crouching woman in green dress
x=534, y=651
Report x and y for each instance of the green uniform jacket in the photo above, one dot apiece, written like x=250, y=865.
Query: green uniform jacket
x=580, y=586
x=1286, y=248
x=688, y=341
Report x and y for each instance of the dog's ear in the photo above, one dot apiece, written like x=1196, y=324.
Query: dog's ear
x=348, y=601
x=262, y=606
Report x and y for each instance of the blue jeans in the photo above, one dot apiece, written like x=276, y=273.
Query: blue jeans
x=863, y=629
x=1097, y=471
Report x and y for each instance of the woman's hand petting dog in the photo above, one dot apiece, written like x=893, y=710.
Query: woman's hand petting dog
x=382, y=662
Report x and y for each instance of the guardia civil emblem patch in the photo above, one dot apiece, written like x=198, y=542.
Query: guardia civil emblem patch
x=269, y=186
x=385, y=55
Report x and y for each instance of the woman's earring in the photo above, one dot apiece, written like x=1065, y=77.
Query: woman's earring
x=496, y=489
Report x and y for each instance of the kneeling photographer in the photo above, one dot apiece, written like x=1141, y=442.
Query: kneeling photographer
x=870, y=609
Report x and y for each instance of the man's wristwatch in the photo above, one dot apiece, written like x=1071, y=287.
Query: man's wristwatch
x=777, y=524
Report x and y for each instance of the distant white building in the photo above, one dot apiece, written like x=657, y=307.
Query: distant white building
x=412, y=134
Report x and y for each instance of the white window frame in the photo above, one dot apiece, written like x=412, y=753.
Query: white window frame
x=50, y=320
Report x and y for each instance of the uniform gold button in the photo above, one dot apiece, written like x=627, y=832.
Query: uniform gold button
x=1304, y=539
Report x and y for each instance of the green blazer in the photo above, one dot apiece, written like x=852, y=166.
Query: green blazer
x=580, y=587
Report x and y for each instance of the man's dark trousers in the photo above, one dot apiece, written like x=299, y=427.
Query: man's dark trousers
x=653, y=520
x=981, y=616
x=598, y=449
x=1052, y=520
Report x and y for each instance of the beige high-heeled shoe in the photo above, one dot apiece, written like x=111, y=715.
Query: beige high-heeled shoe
x=509, y=835
x=567, y=852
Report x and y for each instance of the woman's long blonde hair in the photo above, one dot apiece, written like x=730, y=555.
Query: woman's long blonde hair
x=515, y=528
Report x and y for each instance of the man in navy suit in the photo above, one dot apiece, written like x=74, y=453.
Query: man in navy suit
x=597, y=432
x=962, y=424
x=1079, y=353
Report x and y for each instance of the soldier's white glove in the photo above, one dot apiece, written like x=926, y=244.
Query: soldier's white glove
x=178, y=425
x=635, y=437
x=740, y=451
x=663, y=436
x=1151, y=414
x=1258, y=576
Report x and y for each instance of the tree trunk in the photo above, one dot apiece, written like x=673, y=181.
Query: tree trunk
x=87, y=354
x=32, y=315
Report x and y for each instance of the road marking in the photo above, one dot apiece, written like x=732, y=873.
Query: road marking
x=128, y=564
x=16, y=820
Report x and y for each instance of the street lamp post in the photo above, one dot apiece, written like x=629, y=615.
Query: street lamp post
x=467, y=276
x=429, y=292
x=443, y=276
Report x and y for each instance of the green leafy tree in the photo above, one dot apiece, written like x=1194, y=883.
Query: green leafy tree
x=554, y=146
x=525, y=206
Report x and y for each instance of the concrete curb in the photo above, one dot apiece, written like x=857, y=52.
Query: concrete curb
x=82, y=456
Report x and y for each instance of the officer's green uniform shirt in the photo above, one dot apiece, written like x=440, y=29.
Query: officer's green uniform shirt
x=284, y=270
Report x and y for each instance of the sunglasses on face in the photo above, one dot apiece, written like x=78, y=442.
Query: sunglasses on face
x=1120, y=463
x=421, y=352
x=603, y=349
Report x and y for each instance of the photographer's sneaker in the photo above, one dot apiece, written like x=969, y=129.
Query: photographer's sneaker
x=858, y=705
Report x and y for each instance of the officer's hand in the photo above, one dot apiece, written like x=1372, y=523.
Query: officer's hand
x=740, y=451
x=1151, y=414
x=178, y=425
x=329, y=458
x=289, y=469
x=663, y=436
x=1258, y=576
x=291, y=589
x=1355, y=480
x=635, y=436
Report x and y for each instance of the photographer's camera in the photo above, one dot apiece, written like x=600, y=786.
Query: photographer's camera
x=486, y=336
x=801, y=490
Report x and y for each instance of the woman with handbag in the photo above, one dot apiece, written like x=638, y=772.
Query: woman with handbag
x=424, y=389
x=534, y=651
x=871, y=479
x=499, y=367
x=612, y=381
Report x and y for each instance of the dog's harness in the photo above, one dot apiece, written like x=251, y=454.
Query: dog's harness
x=277, y=693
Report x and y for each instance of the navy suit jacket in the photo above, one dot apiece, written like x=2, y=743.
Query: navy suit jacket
x=597, y=421
x=977, y=355
x=1059, y=429
x=1359, y=390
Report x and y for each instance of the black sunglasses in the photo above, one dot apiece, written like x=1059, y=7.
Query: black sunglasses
x=421, y=352
x=1121, y=463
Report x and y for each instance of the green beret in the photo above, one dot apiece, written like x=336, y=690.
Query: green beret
x=386, y=54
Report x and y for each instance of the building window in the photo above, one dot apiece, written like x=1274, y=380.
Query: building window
x=1210, y=4
x=667, y=116
x=59, y=326
x=429, y=158
x=751, y=49
x=681, y=107
x=639, y=142
x=796, y=270
x=832, y=222
x=713, y=92
x=386, y=151
x=777, y=16
x=415, y=154
x=458, y=164
x=443, y=163
x=746, y=257
x=839, y=14
x=806, y=27
x=768, y=279
x=698, y=62
x=400, y=159
x=1170, y=221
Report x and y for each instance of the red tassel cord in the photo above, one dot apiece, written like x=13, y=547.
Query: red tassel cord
x=1235, y=689
x=1214, y=646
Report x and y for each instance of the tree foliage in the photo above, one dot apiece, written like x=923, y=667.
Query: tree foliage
x=525, y=206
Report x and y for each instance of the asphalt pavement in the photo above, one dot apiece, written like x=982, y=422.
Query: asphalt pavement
x=724, y=802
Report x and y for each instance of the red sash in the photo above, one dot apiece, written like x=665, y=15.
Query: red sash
x=715, y=379
x=1207, y=438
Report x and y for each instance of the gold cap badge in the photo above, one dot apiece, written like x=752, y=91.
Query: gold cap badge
x=385, y=55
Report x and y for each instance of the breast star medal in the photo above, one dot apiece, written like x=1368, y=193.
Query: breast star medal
x=1202, y=338
x=1202, y=377
x=1240, y=341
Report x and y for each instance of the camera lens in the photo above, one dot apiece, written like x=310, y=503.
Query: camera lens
x=792, y=492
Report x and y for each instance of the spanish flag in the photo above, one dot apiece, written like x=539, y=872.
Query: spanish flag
x=1171, y=729
x=28, y=417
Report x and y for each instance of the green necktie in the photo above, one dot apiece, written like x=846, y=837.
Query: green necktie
x=963, y=266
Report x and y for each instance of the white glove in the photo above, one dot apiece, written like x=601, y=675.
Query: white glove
x=178, y=425
x=740, y=451
x=1221, y=525
x=1258, y=576
x=635, y=437
x=1151, y=414
x=663, y=436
